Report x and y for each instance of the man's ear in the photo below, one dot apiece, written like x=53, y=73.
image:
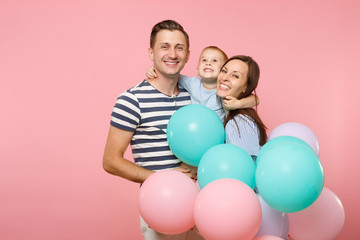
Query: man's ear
x=188, y=56
x=151, y=54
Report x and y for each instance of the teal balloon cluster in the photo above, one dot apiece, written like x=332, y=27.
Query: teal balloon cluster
x=192, y=130
x=289, y=175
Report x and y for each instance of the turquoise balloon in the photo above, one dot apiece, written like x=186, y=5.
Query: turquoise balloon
x=281, y=140
x=289, y=177
x=226, y=161
x=192, y=130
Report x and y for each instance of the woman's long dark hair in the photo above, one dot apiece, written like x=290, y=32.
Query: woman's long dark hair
x=252, y=82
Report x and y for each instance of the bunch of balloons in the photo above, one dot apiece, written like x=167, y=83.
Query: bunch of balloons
x=288, y=176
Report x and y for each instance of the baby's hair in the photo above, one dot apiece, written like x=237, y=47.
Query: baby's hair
x=218, y=49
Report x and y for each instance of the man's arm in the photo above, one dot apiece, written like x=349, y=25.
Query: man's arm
x=114, y=161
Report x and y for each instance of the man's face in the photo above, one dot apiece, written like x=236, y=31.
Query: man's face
x=170, y=53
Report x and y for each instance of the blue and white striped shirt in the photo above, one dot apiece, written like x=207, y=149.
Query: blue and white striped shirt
x=146, y=111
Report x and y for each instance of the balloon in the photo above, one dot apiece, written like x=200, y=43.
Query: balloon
x=226, y=161
x=269, y=237
x=192, y=130
x=289, y=177
x=227, y=209
x=281, y=140
x=323, y=220
x=297, y=130
x=273, y=222
x=166, y=201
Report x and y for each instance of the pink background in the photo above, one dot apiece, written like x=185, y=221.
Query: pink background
x=63, y=64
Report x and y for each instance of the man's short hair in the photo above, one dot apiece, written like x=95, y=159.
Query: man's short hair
x=170, y=25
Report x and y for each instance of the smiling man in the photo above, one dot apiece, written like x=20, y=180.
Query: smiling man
x=141, y=114
x=169, y=51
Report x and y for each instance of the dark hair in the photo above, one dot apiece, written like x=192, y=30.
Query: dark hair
x=252, y=82
x=170, y=25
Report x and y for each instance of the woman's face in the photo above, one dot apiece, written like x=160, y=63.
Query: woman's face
x=232, y=79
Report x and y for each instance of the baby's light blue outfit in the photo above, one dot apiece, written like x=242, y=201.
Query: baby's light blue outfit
x=200, y=95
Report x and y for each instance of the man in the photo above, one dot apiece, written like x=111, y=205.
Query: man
x=141, y=114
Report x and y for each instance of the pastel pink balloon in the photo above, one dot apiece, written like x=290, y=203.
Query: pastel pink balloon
x=298, y=130
x=227, y=209
x=268, y=237
x=323, y=220
x=166, y=201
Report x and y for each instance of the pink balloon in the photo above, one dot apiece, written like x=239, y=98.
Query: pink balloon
x=297, y=130
x=227, y=209
x=268, y=237
x=166, y=201
x=323, y=220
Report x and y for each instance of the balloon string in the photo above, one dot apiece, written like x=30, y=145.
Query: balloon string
x=282, y=224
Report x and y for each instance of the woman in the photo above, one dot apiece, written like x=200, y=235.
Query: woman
x=239, y=77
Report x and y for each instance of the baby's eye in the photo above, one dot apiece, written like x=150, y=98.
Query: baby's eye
x=215, y=60
x=203, y=60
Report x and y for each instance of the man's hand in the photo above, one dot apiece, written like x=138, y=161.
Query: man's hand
x=190, y=171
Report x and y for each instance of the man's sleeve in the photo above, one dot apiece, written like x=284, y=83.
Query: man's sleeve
x=126, y=112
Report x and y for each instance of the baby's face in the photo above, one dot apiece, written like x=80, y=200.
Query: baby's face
x=210, y=63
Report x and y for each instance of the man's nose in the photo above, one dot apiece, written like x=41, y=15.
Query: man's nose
x=172, y=53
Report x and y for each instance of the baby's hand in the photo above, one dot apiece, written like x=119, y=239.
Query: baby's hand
x=150, y=73
x=231, y=103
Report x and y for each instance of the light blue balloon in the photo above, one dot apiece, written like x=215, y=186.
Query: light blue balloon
x=192, y=130
x=226, y=161
x=273, y=222
x=289, y=177
x=281, y=140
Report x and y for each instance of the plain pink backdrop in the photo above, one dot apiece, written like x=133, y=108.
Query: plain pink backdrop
x=63, y=64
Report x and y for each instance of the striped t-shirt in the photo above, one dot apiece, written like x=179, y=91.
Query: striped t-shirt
x=146, y=111
x=243, y=132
